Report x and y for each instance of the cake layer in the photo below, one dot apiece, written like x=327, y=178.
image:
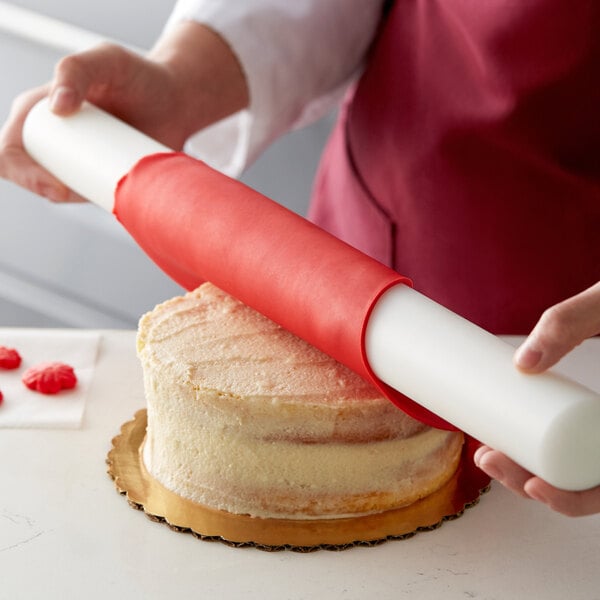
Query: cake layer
x=243, y=474
x=245, y=417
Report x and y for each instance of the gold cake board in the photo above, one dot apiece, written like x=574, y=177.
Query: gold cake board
x=145, y=493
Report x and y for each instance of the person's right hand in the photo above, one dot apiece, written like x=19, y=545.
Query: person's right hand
x=131, y=87
x=15, y=163
x=188, y=81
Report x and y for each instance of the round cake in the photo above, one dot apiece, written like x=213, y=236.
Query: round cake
x=247, y=418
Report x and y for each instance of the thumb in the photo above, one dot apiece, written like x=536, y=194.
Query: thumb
x=73, y=77
x=561, y=328
x=93, y=72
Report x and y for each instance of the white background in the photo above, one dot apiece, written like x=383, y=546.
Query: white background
x=65, y=533
x=73, y=265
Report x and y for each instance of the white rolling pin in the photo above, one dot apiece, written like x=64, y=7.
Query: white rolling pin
x=547, y=423
x=88, y=151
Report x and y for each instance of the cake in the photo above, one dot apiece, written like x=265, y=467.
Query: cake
x=245, y=417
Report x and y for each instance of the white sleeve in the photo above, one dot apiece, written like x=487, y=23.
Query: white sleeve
x=298, y=58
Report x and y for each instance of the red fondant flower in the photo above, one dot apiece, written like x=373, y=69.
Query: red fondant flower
x=50, y=378
x=1, y=397
x=9, y=358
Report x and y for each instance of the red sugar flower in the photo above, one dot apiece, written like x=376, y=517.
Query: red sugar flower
x=9, y=358
x=50, y=377
x=1, y=397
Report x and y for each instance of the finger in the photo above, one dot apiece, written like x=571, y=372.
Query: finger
x=15, y=163
x=23, y=171
x=572, y=504
x=84, y=75
x=500, y=467
x=559, y=330
x=28, y=174
x=10, y=134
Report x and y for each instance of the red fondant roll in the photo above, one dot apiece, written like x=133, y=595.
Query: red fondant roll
x=197, y=224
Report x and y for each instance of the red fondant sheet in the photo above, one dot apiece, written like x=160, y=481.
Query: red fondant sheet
x=197, y=224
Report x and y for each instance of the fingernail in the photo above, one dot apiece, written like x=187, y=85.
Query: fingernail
x=479, y=454
x=527, y=357
x=62, y=99
x=491, y=469
x=535, y=493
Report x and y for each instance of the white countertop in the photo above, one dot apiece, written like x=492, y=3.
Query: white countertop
x=66, y=533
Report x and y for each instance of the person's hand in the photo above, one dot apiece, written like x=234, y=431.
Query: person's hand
x=522, y=482
x=560, y=329
x=133, y=88
x=15, y=163
x=188, y=81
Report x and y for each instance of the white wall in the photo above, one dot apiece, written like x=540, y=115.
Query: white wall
x=74, y=265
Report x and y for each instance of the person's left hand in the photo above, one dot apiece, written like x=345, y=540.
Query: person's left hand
x=522, y=482
x=560, y=329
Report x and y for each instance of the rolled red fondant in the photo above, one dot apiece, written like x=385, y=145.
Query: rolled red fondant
x=198, y=224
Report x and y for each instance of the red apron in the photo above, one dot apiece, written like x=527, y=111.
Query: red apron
x=468, y=155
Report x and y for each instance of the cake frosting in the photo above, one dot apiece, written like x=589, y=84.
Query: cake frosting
x=245, y=417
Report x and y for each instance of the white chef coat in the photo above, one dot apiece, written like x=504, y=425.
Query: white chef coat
x=298, y=58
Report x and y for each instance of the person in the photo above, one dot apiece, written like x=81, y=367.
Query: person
x=466, y=152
